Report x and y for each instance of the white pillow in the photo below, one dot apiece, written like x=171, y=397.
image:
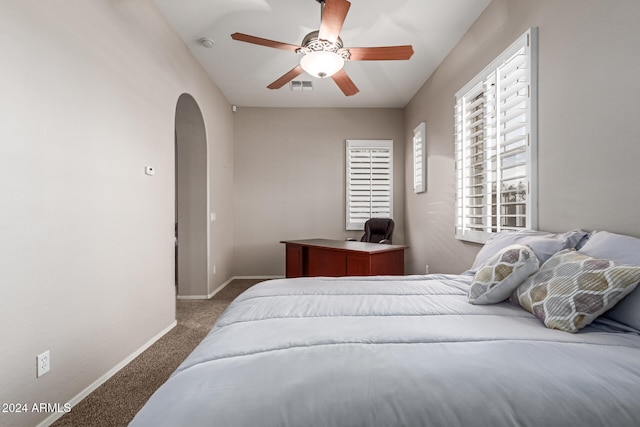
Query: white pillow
x=616, y=247
x=543, y=243
x=502, y=274
x=622, y=250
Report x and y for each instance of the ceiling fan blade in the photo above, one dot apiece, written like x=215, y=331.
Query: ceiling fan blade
x=295, y=72
x=382, y=53
x=264, y=42
x=333, y=16
x=345, y=83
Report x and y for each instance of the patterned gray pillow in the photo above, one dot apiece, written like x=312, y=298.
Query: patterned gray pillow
x=572, y=289
x=502, y=273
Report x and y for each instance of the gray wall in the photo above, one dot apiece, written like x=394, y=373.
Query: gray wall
x=589, y=63
x=89, y=92
x=290, y=177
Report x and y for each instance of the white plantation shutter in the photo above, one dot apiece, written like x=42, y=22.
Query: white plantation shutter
x=369, y=181
x=419, y=158
x=513, y=133
x=495, y=150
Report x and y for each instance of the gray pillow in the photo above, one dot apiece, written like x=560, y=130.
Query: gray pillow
x=622, y=250
x=543, y=243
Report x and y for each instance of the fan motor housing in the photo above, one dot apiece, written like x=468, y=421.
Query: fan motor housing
x=313, y=43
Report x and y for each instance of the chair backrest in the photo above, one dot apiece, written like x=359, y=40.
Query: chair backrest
x=378, y=230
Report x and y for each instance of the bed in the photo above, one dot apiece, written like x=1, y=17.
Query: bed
x=413, y=351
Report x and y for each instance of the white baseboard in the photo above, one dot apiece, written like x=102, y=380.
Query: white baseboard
x=221, y=287
x=97, y=383
x=215, y=291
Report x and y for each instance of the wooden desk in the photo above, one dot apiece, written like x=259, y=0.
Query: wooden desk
x=323, y=257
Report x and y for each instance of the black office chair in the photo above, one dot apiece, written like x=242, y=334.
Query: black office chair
x=378, y=230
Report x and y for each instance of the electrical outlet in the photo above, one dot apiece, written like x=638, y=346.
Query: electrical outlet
x=426, y=269
x=214, y=269
x=43, y=363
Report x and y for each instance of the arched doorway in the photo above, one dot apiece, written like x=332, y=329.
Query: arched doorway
x=191, y=199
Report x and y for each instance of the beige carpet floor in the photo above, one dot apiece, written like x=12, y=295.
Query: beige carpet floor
x=116, y=402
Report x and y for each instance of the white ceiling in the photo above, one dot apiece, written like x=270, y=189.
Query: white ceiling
x=242, y=70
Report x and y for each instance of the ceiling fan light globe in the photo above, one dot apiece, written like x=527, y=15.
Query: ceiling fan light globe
x=322, y=64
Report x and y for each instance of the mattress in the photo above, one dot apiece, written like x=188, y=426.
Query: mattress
x=396, y=351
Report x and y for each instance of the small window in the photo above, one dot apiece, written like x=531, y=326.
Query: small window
x=495, y=146
x=369, y=181
x=419, y=158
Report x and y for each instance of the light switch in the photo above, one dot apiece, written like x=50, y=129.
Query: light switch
x=213, y=216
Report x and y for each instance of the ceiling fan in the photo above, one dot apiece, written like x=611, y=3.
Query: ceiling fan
x=323, y=51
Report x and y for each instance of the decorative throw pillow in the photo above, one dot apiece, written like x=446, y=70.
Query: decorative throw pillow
x=543, y=243
x=572, y=289
x=497, y=279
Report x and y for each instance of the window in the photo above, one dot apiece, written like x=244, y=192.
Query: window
x=419, y=158
x=495, y=146
x=369, y=181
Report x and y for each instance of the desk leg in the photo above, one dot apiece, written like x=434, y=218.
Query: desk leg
x=294, y=261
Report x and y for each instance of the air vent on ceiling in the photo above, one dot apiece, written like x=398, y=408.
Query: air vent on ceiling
x=301, y=85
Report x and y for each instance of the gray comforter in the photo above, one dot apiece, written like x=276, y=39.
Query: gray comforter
x=407, y=351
